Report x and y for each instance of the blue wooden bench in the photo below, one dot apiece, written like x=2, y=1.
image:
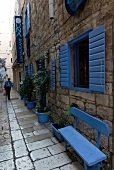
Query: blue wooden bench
x=90, y=154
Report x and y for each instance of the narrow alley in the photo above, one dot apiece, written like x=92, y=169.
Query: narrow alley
x=26, y=144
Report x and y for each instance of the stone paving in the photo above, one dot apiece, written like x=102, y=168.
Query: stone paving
x=27, y=145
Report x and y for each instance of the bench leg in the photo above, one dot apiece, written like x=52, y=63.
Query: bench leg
x=85, y=166
x=65, y=142
x=94, y=167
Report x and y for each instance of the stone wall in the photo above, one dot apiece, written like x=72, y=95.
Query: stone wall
x=51, y=34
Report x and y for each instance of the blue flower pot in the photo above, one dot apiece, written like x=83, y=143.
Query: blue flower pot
x=56, y=132
x=42, y=117
x=21, y=97
x=30, y=105
x=25, y=101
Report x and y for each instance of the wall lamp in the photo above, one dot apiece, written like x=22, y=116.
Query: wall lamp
x=51, y=9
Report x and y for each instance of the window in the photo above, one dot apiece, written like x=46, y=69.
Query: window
x=27, y=20
x=79, y=53
x=82, y=62
x=28, y=44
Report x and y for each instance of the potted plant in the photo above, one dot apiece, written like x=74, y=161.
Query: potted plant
x=21, y=91
x=27, y=89
x=41, y=83
x=62, y=123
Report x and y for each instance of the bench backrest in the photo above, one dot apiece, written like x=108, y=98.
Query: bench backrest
x=95, y=123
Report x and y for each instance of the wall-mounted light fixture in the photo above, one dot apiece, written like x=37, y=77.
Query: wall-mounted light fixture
x=51, y=9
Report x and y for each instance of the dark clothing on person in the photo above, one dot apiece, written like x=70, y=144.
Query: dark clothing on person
x=7, y=86
x=8, y=92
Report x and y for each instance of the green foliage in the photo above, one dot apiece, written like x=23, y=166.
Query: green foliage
x=43, y=56
x=63, y=120
x=27, y=88
x=41, y=83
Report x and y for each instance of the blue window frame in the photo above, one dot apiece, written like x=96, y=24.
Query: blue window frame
x=79, y=61
x=82, y=62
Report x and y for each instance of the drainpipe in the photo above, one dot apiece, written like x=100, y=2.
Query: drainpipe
x=112, y=157
x=51, y=9
x=18, y=7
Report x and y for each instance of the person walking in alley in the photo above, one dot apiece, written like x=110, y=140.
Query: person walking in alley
x=7, y=86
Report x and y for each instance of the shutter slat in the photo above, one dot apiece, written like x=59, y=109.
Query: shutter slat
x=98, y=49
x=28, y=18
x=64, y=76
x=98, y=88
x=53, y=74
x=97, y=68
x=99, y=75
x=97, y=56
x=97, y=59
x=95, y=80
x=97, y=43
x=97, y=38
x=64, y=73
x=63, y=64
x=25, y=25
x=97, y=31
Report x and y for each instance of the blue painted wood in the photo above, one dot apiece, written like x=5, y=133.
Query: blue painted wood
x=56, y=132
x=97, y=42
x=90, y=120
x=28, y=69
x=97, y=38
x=25, y=25
x=53, y=79
x=80, y=37
x=96, y=75
x=28, y=17
x=85, y=149
x=97, y=68
x=97, y=55
x=100, y=30
x=97, y=59
x=64, y=66
x=90, y=153
x=69, y=1
x=31, y=69
x=95, y=80
x=98, y=49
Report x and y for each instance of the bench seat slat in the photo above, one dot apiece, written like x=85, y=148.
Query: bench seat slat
x=86, y=150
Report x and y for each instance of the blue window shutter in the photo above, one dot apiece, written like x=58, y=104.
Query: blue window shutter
x=53, y=72
x=64, y=66
x=28, y=18
x=29, y=69
x=97, y=59
x=25, y=25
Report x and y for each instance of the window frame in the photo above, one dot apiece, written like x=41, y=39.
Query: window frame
x=75, y=41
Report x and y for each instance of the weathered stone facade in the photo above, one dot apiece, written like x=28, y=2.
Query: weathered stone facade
x=51, y=34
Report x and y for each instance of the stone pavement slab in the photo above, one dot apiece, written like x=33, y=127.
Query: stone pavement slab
x=38, y=137
x=20, y=148
x=25, y=144
x=39, y=144
x=55, y=149
x=7, y=165
x=24, y=163
x=40, y=153
x=52, y=162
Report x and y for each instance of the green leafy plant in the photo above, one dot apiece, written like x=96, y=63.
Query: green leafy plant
x=27, y=88
x=41, y=83
x=62, y=121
